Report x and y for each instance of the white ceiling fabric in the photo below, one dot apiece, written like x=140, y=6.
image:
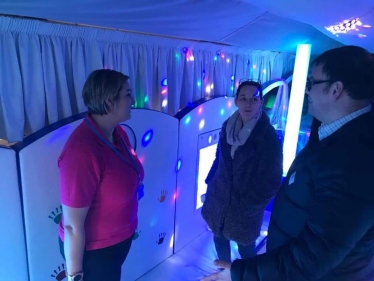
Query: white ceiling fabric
x=263, y=25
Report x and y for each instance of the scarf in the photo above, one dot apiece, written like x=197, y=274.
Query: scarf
x=237, y=133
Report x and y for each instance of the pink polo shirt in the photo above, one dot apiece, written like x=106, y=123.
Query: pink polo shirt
x=93, y=175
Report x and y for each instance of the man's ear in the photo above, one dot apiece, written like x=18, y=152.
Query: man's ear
x=337, y=90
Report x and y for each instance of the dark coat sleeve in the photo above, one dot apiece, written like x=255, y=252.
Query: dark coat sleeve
x=269, y=172
x=337, y=221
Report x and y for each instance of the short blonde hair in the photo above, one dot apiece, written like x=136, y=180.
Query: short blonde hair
x=102, y=84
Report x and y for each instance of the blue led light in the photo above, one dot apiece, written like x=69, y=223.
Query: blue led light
x=164, y=82
x=147, y=138
x=178, y=166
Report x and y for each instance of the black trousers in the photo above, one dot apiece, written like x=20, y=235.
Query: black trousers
x=103, y=264
x=224, y=250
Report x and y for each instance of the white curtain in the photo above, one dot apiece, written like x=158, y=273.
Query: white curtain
x=44, y=66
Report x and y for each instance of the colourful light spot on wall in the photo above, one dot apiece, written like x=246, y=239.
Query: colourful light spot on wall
x=57, y=134
x=210, y=139
x=164, y=82
x=153, y=222
x=200, y=109
x=141, y=159
x=207, y=89
x=164, y=91
x=222, y=111
x=171, y=241
x=146, y=99
x=188, y=119
x=201, y=125
x=147, y=137
x=178, y=166
x=198, y=83
x=229, y=104
x=164, y=103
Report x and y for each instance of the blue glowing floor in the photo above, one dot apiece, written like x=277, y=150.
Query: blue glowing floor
x=195, y=260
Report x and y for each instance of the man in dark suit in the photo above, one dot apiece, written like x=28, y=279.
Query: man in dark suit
x=322, y=224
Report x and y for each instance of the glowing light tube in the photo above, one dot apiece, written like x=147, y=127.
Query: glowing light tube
x=300, y=73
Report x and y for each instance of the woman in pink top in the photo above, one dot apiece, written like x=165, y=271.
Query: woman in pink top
x=100, y=182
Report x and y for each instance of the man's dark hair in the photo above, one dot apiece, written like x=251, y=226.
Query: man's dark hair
x=351, y=65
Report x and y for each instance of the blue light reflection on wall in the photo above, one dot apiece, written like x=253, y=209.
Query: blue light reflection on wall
x=147, y=137
x=58, y=134
x=178, y=166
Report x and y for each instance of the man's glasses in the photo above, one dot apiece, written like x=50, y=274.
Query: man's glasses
x=310, y=83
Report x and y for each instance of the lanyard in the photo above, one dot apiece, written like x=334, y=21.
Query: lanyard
x=132, y=165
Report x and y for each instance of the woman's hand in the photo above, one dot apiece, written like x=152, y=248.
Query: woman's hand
x=223, y=275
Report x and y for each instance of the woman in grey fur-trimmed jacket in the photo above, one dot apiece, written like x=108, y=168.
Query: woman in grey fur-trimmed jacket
x=245, y=175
